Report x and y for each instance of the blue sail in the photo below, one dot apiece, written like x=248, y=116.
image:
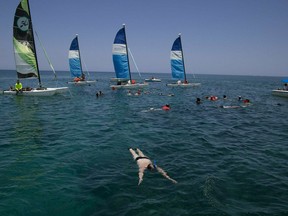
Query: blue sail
x=74, y=59
x=176, y=58
x=120, y=56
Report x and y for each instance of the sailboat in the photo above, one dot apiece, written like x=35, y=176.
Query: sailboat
x=152, y=79
x=76, y=65
x=121, y=63
x=282, y=92
x=25, y=53
x=178, y=66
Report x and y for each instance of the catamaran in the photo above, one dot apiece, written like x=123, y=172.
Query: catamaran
x=121, y=63
x=25, y=53
x=153, y=79
x=76, y=65
x=282, y=92
x=178, y=66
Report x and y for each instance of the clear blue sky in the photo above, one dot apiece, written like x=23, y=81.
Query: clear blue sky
x=218, y=36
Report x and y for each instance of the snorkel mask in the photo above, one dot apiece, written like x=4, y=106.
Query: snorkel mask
x=154, y=164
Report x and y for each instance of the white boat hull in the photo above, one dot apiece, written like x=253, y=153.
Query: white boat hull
x=153, y=80
x=281, y=93
x=183, y=84
x=88, y=82
x=130, y=86
x=38, y=92
x=119, y=79
x=60, y=90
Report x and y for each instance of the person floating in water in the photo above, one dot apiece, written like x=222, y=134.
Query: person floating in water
x=138, y=92
x=212, y=98
x=100, y=93
x=144, y=163
x=198, y=101
x=166, y=107
x=246, y=101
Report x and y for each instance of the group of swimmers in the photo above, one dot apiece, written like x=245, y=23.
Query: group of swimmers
x=215, y=98
x=245, y=102
x=136, y=93
x=100, y=93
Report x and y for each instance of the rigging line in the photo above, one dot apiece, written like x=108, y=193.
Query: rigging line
x=50, y=64
x=134, y=62
x=86, y=68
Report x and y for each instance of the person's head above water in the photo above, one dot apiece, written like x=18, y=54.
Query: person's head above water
x=152, y=166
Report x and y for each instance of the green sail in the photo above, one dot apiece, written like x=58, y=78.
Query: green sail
x=23, y=41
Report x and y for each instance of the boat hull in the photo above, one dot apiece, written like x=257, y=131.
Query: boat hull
x=281, y=93
x=183, y=84
x=88, y=82
x=130, y=86
x=38, y=92
x=152, y=80
x=119, y=79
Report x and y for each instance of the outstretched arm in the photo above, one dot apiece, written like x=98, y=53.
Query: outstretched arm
x=160, y=170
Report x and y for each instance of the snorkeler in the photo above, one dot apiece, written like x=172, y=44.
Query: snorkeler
x=144, y=163
x=166, y=107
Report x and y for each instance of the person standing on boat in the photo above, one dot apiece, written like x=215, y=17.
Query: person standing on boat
x=18, y=87
x=82, y=77
x=144, y=163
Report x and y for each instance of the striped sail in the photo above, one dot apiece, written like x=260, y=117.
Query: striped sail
x=177, y=62
x=120, y=55
x=23, y=41
x=74, y=59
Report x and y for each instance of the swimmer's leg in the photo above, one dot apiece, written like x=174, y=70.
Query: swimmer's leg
x=140, y=153
x=133, y=153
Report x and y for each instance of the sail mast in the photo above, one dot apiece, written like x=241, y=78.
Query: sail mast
x=127, y=52
x=32, y=32
x=182, y=54
x=79, y=54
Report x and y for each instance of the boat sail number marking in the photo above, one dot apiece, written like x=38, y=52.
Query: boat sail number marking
x=23, y=23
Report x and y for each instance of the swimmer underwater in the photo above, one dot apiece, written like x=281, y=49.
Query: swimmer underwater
x=144, y=163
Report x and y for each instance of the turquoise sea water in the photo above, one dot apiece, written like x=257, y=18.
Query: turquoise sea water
x=68, y=155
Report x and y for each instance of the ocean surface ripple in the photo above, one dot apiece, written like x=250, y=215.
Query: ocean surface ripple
x=68, y=154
